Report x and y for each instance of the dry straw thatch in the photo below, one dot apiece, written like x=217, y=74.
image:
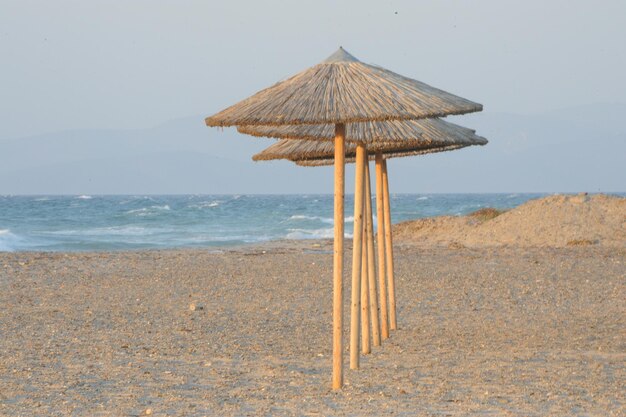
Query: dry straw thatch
x=414, y=138
x=342, y=89
x=428, y=131
x=397, y=153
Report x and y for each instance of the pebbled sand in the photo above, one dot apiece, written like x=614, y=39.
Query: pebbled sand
x=483, y=332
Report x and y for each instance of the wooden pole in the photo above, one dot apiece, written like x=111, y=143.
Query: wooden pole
x=391, y=285
x=382, y=285
x=365, y=305
x=337, y=379
x=371, y=258
x=357, y=245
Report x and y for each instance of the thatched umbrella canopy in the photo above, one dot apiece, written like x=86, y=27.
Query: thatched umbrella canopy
x=309, y=153
x=369, y=133
x=313, y=142
x=339, y=91
x=342, y=89
x=391, y=153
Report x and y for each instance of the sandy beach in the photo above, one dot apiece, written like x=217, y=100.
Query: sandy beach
x=214, y=208
x=246, y=331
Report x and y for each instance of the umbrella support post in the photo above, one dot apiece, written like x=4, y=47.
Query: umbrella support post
x=382, y=284
x=337, y=377
x=391, y=285
x=357, y=245
x=371, y=258
x=365, y=305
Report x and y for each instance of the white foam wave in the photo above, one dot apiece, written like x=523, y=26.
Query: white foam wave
x=298, y=234
x=305, y=217
x=104, y=231
x=301, y=217
x=327, y=220
x=199, y=239
x=10, y=242
x=146, y=211
x=422, y=198
x=310, y=233
x=84, y=197
x=205, y=204
x=7, y=240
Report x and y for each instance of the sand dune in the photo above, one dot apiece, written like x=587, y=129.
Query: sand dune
x=554, y=221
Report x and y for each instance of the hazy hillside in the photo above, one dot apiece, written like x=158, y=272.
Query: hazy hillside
x=577, y=149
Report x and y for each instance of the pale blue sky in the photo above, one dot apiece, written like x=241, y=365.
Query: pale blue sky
x=133, y=64
x=136, y=64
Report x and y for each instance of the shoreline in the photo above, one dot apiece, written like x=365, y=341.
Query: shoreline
x=277, y=244
x=138, y=223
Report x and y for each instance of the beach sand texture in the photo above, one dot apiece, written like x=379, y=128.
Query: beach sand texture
x=517, y=330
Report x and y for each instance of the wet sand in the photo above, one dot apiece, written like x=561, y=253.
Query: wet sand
x=484, y=332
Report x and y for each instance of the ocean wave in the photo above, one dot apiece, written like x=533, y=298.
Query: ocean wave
x=326, y=220
x=204, y=238
x=8, y=240
x=105, y=231
x=305, y=217
x=84, y=197
x=310, y=234
x=139, y=221
x=147, y=211
x=11, y=242
x=136, y=198
x=205, y=204
x=298, y=234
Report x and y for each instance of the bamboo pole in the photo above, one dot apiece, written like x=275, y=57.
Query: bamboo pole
x=371, y=258
x=365, y=305
x=391, y=285
x=382, y=285
x=337, y=377
x=357, y=245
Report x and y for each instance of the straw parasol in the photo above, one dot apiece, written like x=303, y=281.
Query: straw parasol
x=433, y=135
x=340, y=90
x=310, y=142
x=337, y=91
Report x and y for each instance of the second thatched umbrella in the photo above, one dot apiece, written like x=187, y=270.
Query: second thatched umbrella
x=338, y=91
x=409, y=138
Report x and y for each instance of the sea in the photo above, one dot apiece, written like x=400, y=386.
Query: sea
x=132, y=222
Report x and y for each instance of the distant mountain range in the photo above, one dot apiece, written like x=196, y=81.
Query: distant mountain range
x=577, y=149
